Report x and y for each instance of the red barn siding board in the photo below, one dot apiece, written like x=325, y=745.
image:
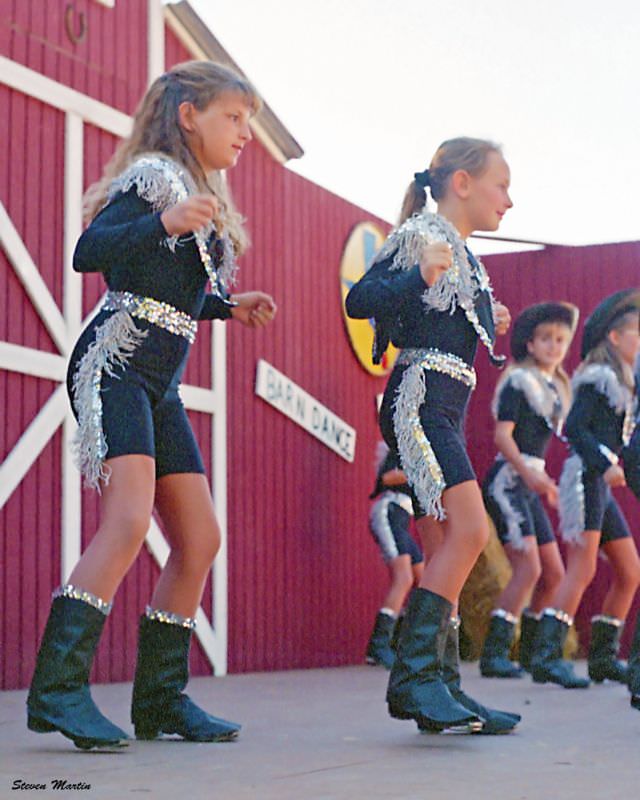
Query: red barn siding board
x=109, y=64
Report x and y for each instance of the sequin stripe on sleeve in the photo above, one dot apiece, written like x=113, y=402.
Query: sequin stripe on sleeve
x=115, y=341
x=418, y=459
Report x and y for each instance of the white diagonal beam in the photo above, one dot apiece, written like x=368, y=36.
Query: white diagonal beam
x=26, y=360
x=32, y=281
x=32, y=443
x=159, y=549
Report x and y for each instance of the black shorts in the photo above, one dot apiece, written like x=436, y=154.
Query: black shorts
x=389, y=524
x=441, y=418
x=586, y=504
x=516, y=510
x=142, y=412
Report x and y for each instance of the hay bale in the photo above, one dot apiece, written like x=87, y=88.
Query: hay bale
x=488, y=578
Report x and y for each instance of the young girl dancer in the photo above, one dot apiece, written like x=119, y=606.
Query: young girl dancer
x=163, y=226
x=632, y=477
x=431, y=297
x=389, y=521
x=530, y=404
x=599, y=424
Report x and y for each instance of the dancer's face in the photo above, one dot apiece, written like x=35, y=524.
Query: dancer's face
x=549, y=345
x=488, y=194
x=626, y=340
x=218, y=133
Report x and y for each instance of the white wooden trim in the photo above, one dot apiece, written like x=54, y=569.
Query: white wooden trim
x=32, y=442
x=63, y=97
x=155, y=40
x=159, y=549
x=73, y=161
x=199, y=399
x=26, y=360
x=220, y=610
x=32, y=281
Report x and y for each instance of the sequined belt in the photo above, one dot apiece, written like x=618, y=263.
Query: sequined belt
x=437, y=361
x=158, y=313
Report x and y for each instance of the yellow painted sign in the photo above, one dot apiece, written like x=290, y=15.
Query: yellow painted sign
x=365, y=240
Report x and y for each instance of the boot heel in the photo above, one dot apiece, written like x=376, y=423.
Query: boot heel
x=398, y=713
x=146, y=733
x=39, y=725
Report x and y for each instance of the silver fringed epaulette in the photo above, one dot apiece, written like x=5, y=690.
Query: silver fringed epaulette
x=604, y=381
x=456, y=286
x=536, y=389
x=163, y=183
x=160, y=181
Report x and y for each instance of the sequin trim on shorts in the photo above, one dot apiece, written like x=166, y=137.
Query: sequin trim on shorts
x=416, y=453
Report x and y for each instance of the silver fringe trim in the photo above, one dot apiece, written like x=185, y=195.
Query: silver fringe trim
x=459, y=285
x=76, y=593
x=416, y=454
x=115, y=341
x=169, y=618
x=621, y=399
x=163, y=183
x=605, y=381
x=382, y=449
x=507, y=616
x=539, y=392
x=505, y=479
x=161, y=314
x=571, y=508
x=379, y=521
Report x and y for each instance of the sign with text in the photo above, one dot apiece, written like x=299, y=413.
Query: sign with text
x=295, y=403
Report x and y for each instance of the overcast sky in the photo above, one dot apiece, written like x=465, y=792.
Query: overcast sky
x=369, y=88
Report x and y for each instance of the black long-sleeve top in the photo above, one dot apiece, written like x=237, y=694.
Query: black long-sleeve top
x=126, y=241
x=394, y=299
x=531, y=431
x=592, y=422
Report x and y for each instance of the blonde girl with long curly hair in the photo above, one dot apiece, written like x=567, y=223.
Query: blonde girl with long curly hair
x=165, y=234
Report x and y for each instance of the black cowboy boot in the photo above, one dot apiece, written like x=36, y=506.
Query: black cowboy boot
x=495, y=661
x=528, y=630
x=416, y=689
x=379, y=648
x=634, y=667
x=162, y=671
x=395, y=636
x=547, y=664
x=603, y=650
x=493, y=721
x=59, y=697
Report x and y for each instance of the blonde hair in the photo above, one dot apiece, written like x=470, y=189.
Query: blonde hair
x=464, y=153
x=156, y=129
x=606, y=353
